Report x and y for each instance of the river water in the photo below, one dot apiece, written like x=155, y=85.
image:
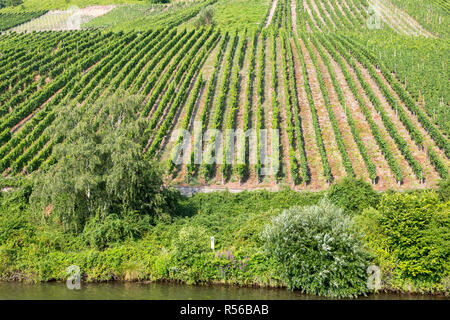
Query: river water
x=161, y=291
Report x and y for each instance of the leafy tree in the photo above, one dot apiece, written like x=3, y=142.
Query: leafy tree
x=101, y=170
x=318, y=251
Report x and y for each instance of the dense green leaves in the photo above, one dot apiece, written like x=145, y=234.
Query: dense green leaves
x=318, y=251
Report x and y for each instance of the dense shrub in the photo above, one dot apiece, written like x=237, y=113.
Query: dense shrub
x=353, y=195
x=191, y=243
x=101, y=232
x=417, y=231
x=444, y=189
x=318, y=251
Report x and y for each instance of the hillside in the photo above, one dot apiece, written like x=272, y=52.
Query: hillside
x=354, y=88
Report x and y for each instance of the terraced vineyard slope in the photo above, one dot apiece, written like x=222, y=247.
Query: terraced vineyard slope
x=297, y=101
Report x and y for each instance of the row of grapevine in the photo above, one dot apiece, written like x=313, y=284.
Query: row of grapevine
x=198, y=86
x=371, y=169
x=195, y=156
x=318, y=133
x=338, y=136
x=388, y=124
x=288, y=95
x=219, y=109
x=259, y=105
x=275, y=165
x=228, y=157
x=206, y=43
x=242, y=166
x=305, y=175
x=387, y=153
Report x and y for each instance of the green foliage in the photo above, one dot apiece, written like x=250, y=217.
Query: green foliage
x=102, y=232
x=191, y=243
x=417, y=229
x=353, y=195
x=444, y=189
x=318, y=251
x=101, y=171
x=10, y=20
x=151, y=15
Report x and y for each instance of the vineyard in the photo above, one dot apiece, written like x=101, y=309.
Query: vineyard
x=10, y=20
x=305, y=71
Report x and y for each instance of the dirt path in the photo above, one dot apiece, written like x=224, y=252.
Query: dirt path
x=271, y=13
x=189, y=191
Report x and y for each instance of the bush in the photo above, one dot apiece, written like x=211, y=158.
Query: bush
x=353, y=195
x=191, y=243
x=205, y=18
x=101, y=232
x=417, y=231
x=444, y=190
x=101, y=172
x=318, y=251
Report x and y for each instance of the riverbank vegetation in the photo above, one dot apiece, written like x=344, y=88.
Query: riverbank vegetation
x=405, y=234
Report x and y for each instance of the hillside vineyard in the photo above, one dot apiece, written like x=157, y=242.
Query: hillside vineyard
x=321, y=105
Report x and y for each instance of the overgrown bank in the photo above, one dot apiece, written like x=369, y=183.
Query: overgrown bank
x=405, y=234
